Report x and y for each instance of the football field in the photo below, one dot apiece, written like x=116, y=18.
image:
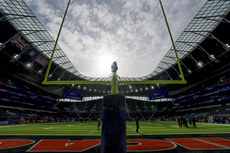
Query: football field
x=90, y=128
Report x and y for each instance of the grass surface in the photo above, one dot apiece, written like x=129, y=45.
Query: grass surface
x=90, y=128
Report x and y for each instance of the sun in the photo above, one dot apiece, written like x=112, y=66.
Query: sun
x=104, y=63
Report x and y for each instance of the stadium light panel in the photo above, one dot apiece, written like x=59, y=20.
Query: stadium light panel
x=28, y=65
x=228, y=46
x=40, y=71
x=200, y=64
x=212, y=57
x=16, y=56
x=130, y=87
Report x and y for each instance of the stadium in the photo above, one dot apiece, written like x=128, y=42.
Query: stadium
x=47, y=105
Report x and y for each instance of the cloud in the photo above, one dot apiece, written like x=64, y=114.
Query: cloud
x=132, y=32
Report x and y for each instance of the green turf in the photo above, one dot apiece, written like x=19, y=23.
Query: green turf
x=90, y=128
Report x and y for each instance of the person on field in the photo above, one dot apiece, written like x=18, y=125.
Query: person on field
x=194, y=122
x=185, y=122
x=179, y=120
x=137, y=125
x=190, y=121
x=98, y=124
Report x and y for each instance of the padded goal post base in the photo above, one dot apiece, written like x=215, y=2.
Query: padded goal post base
x=113, y=135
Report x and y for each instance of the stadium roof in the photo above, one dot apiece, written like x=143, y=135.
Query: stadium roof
x=206, y=20
x=24, y=21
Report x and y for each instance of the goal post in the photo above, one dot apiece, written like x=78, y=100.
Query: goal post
x=115, y=84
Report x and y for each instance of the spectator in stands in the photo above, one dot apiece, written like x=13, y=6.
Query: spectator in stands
x=228, y=120
x=222, y=120
x=137, y=125
x=194, y=122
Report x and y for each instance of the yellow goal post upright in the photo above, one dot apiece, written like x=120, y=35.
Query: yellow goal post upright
x=114, y=81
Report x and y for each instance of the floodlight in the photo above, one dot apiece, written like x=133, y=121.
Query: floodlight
x=200, y=64
x=228, y=46
x=28, y=65
x=130, y=87
x=16, y=56
x=212, y=57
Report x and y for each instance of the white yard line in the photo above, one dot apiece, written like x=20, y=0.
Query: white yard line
x=216, y=144
x=127, y=134
x=48, y=128
x=11, y=126
x=175, y=126
x=214, y=124
x=92, y=132
x=131, y=128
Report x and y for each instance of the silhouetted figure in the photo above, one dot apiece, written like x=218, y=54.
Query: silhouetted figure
x=185, y=122
x=189, y=121
x=137, y=125
x=98, y=124
x=194, y=122
x=179, y=120
x=222, y=120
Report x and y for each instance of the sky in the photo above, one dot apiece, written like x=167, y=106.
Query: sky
x=131, y=32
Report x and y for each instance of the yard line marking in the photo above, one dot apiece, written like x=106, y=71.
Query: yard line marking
x=216, y=140
x=211, y=143
x=11, y=126
x=92, y=132
x=149, y=127
x=131, y=127
x=50, y=128
x=193, y=144
x=214, y=124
